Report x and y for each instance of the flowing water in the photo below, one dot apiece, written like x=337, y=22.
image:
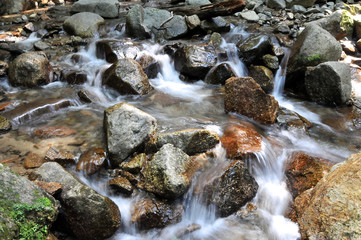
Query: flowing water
x=179, y=105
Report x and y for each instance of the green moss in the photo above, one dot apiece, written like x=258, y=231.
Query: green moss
x=315, y=57
x=347, y=21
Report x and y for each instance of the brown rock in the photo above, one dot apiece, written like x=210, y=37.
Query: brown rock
x=91, y=161
x=239, y=140
x=51, y=131
x=135, y=164
x=122, y=185
x=150, y=213
x=59, y=156
x=50, y=187
x=263, y=76
x=33, y=160
x=150, y=66
x=246, y=97
x=4, y=105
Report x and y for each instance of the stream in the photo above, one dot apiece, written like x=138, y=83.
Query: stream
x=178, y=105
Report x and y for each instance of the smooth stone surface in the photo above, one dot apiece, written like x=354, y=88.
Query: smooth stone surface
x=84, y=24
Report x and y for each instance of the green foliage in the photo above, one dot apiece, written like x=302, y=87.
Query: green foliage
x=315, y=57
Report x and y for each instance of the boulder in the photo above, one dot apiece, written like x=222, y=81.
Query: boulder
x=304, y=172
x=112, y=50
x=105, y=8
x=91, y=161
x=332, y=209
x=166, y=173
x=15, y=6
x=263, y=76
x=304, y=3
x=245, y=96
x=276, y=4
x=329, y=83
x=195, y=61
x=127, y=77
x=151, y=213
x=232, y=190
x=30, y=69
x=27, y=211
x=219, y=74
x=88, y=214
x=151, y=66
x=191, y=141
x=250, y=16
x=127, y=130
x=135, y=23
x=5, y=125
x=240, y=140
x=253, y=48
x=84, y=24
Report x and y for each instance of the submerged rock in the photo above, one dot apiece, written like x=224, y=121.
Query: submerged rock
x=246, y=97
x=166, y=173
x=105, y=8
x=127, y=130
x=30, y=69
x=88, y=214
x=27, y=211
x=83, y=24
x=91, y=161
x=232, y=190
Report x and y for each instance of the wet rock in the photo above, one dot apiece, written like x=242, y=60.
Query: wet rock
x=59, y=156
x=135, y=23
x=51, y=188
x=240, y=140
x=197, y=2
x=41, y=46
x=276, y=4
x=27, y=211
x=304, y=172
x=5, y=55
x=263, y=76
x=4, y=105
x=329, y=83
x=5, y=125
x=105, y=8
x=253, y=48
x=135, y=164
x=271, y=61
x=195, y=61
x=357, y=25
x=112, y=50
x=314, y=46
x=290, y=119
x=74, y=77
x=331, y=209
x=216, y=24
x=246, y=97
x=30, y=69
x=191, y=141
x=232, y=190
x=282, y=28
x=166, y=173
x=91, y=161
x=33, y=160
x=51, y=131
x=304, y=3
x=215, y=40
x=150, y=66
x=3, y=68
x=127, y=77
x=298, y=9
x=250, y=16
x=127, y=130
x=358, y=44
x=121, y=185
x=15, y=6
x=193, y=21
x=85, y=96
x=151, y=213
x=220, y=74
x=88, y=214
x=83, y=24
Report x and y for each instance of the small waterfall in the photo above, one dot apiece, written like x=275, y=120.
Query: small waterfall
x=280, y=77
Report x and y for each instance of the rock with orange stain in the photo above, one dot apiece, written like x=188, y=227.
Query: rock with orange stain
x=91, y=161
x=51, y=131
x=239, y=140
x=33, y=160
x=121, y=185
x=4, y=105
x=59, y=156
x=50, y=187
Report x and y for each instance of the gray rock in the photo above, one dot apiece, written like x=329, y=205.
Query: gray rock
x=30, y=69
x=329, y=83
x=250, y=16
x=276, y=4
x=197, y=2
x=88, y=214
x=135, y=23
x=166, y=173
x=15, y=6
x=40, y=45
x=191, y=141
x=27, y=211
x=127, y=77
x=263, y=76
x=304, y=3
x=271, y=61
x=219, y=74
x=105, y=8
x=193, y=21
x=216, y=24
x=232, y=190
x=254, y=47
x=83, y=24
x=282, y=28
x=175, y=28
x=127, y=130
x=298, y=9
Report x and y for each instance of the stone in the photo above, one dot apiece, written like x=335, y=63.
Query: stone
x=127, y=130
x=151, y=67
x=332, y=208
x=191, y=141
x=5, y=125
x=304, y=3
x=232, y=190
x=135, y=164
x=15, y=6
x=303, y=172
x=121, y=185
x=105, y=8
x=127, y=77
x=33, y=160
x=91, y=161
x=216, y=24
x=358, y=44
x=253, y=48
x=51, y=131
x=135, y=23
x=30, y=69
x=263, y=76
x=276, y=4
x=329, y=83
x=193, y=21
x=271, y=61
x=74, y=76
x=219, y=74
x=88, y=214
x=298, y=9
x=166, y=173
x=41, y=46
x=357, y=24
x=197, y=2
x=4, y=67
x=290, y=120
x=151, y=213
x=51, y=188
x=283, y=28
x=84, y=24
x=60, y=156
x=240, y=140
x=245, y=96
x=195, y=61
x=250, y=16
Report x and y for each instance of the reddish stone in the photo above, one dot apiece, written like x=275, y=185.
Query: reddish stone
x=33, y=160
x=50, y=187
x=59, y=156
x=239, y=140
x=122, y=185
x=50, y=131
x=91, y=161
x=4, y=105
